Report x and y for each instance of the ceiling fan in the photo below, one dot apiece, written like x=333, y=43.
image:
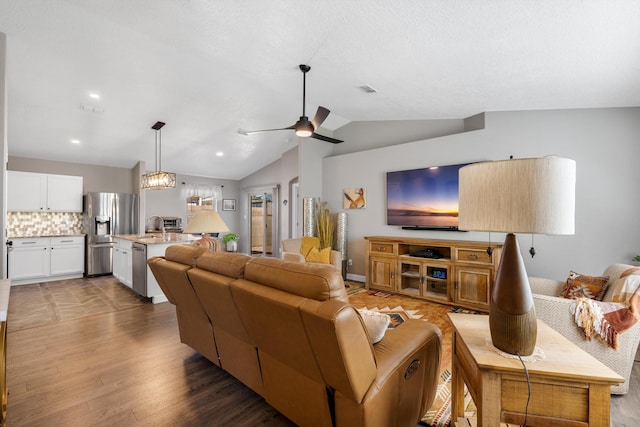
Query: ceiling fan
x=304, y=127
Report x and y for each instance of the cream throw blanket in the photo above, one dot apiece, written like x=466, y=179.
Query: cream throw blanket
x=606, y=319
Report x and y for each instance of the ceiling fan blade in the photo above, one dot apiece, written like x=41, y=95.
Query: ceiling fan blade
x=321, y=116
x=251, y=132
x=326, y=138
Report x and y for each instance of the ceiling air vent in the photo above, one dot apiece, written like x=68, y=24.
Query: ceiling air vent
x=92, y=108
x=369, y=89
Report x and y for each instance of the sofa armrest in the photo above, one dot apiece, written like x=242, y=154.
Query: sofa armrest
x=544, y=286
x=556, y=312
x=408, y=360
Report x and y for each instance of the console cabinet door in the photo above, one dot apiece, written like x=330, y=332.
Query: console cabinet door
x=382, y=273
x=473, y=287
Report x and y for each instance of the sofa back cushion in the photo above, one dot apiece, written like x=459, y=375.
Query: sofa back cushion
x=292, y=380
x=224, y=263
x=183, y=254
x=319, y=282
x=341, y=346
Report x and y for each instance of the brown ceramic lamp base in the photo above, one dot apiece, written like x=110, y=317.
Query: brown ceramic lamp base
x=512, y=315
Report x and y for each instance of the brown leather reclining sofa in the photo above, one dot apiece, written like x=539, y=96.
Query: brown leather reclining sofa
x=287, y=331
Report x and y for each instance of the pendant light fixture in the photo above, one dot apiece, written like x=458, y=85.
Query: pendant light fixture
x=158, y=180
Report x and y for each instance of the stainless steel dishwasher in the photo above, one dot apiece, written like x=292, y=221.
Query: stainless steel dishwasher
x=139, y=261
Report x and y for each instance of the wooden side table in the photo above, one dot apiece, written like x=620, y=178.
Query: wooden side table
x=569, y=387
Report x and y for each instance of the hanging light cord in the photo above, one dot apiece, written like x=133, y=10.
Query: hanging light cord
x=526, y=372
x=532, y=251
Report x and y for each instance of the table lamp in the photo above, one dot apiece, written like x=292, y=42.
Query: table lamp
x=534, y=195
x=205, y=222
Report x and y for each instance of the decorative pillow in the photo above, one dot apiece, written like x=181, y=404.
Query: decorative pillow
x=307, y=244
x=582, y=286
x=323, y=256
x=376, y=324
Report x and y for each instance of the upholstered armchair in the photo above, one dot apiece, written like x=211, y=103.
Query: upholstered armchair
x=555, y=311
x=291, y=252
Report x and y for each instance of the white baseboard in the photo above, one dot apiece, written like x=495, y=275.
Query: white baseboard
x=356, y=277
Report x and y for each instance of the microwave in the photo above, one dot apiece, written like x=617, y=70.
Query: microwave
x=172, y=223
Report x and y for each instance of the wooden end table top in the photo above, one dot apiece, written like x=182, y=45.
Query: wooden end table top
x=569, y=386
x=563, y=359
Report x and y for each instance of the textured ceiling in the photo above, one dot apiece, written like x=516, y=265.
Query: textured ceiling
x=208, y=68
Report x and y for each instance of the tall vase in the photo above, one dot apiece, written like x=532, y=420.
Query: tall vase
x=308, y=217
x=341, y=240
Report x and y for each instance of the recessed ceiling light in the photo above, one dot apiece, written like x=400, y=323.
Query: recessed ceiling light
x=75, y=141
x=94, y=95
x=219, y=154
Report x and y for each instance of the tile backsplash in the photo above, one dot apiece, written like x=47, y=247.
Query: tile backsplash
x=43, y=224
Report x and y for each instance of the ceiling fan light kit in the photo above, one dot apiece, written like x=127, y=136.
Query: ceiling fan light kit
x=303, y=127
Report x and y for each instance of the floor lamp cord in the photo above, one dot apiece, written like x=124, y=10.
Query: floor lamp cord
x=526, y=372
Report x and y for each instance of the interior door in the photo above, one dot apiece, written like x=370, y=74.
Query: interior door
x=263, y=222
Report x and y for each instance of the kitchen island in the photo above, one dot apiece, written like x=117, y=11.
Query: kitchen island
x=131, y=252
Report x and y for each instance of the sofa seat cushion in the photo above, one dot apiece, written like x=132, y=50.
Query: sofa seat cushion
x=320, y=282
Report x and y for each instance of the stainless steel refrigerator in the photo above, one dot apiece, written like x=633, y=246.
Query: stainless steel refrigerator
x=106, y=215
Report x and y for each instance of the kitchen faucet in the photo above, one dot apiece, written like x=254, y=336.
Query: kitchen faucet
x=161, y=222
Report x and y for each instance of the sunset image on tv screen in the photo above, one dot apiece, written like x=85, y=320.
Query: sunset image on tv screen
x=423, y=197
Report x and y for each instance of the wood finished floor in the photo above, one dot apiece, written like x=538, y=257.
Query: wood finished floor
x=90, y=352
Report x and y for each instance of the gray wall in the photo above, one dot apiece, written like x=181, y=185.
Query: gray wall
x=385, y=133
x=172, y=202
x=95, y=178
x=604, y=142
x=278, y=173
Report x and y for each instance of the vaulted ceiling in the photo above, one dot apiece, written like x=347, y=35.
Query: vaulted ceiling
x=209, y=68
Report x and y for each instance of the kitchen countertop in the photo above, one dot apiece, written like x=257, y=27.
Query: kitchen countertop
x=155, y=238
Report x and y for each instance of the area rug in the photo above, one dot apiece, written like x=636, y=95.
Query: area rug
x=439, y=415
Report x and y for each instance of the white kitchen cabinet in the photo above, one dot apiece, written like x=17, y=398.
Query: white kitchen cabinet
x=29, y=259
x=67, y=255
x=64, y=193
x=44, y=259
x=122, y=266
x=37, y=192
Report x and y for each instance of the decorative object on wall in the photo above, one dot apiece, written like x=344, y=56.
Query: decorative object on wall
x=228, y=204
x=158, y=180
x=354, y=198
x=308, y=217
x=517, y=196
x=205, y=223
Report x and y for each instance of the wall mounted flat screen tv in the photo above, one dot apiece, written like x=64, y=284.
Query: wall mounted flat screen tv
x=424, y=198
